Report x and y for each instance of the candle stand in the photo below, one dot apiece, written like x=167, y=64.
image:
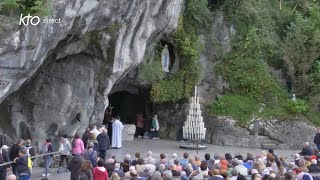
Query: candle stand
x=193, y=130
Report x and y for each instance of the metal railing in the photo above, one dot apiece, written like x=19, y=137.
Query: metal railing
x=32, y=157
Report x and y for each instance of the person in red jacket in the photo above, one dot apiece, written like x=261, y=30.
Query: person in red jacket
x=100, y=172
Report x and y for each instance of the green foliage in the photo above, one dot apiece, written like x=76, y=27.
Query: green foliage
x=249, y=77
x=196, y=15
x=7, y=6
x=239, y=107
x=314, y=117
x=181, y=84
x=39, y=7
x=33, y=7
x=151, y=72
x=301, y=52
x=287, y=39
x=255, y=43
x=166, y=91
x=298, y=106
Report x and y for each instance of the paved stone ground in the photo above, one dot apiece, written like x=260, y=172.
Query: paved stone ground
x=160, y=146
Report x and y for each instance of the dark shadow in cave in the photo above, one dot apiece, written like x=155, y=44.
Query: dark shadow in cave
x=127, y=105
x=24, y=130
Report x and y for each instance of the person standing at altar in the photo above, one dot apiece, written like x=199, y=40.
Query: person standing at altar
x=109, y=128
x=139, y=125
x=155, y=127
x=117, y=128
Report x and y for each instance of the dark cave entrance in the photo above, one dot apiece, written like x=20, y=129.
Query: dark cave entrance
x=127, y=105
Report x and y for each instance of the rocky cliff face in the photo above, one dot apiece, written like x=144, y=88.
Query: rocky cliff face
x=58, y=76
x=224, y=130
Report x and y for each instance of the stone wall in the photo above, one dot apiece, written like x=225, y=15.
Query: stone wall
x=128, y=132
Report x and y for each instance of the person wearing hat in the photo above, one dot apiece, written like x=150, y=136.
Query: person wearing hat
x=4, y=152
x=313, y=168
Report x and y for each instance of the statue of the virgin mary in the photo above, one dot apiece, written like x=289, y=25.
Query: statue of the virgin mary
x=165, y=59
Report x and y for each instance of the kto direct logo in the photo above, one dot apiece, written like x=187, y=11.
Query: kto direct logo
x=35, y=20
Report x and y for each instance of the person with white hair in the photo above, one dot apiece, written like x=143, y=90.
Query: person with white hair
x=189, y=169
x=149, y=159
x=240, y=168
x=95, y=131
x=126, y=163
x=167, y=175
x=173, y=157
x=104, y=144
x=11, y=177
x=183, y=175
x=134, y=175
x=162, y=168
x=127, y=174
x=117, y=170
x=157, y=175
x=307, y=149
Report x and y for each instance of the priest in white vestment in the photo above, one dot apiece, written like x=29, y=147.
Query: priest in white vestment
x=117, y=128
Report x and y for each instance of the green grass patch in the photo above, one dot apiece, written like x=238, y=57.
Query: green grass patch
x=239, y=107
x=314, y=117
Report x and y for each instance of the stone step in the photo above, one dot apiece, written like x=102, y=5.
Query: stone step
x=268, y=146
x=269, y=141
x=263, y=138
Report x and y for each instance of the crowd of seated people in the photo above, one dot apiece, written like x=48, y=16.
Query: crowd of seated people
x=265, y=165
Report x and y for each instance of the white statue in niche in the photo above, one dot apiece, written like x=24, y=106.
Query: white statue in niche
x=165, y=59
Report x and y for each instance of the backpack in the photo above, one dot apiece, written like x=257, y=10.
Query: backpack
x=28, y=150
x=44, y=148
x=92, y=160
x=83, y=176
